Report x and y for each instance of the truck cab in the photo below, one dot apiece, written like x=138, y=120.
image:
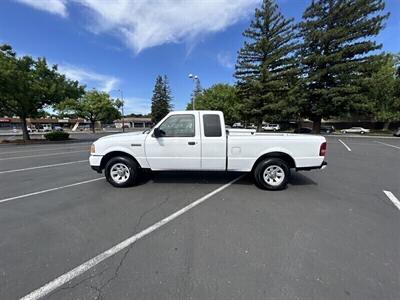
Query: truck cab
x=188, y=141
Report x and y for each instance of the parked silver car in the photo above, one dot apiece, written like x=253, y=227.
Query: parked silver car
x=359, y=130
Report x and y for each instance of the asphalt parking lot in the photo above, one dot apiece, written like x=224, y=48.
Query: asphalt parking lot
x=332, y=234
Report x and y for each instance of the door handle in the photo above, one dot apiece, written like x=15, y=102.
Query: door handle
x=191, y=143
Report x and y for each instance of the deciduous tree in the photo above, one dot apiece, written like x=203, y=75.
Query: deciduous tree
x=29, y=85
x=221, y=97
x=383, y=91
x=93, y=106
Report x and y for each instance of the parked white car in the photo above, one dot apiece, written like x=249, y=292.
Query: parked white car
x=271, y=127
x=359, y=130
x=58, y=128
x=237, y=125
x=198, y=140
x=45, y=128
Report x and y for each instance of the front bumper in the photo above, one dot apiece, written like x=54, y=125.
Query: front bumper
x=96, y=168
x=95, y=162
x=322, y=166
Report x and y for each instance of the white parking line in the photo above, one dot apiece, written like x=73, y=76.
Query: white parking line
x=35, y=146
x=392, y=198
x=66, y=277
x=44, y=149
x=388, y=145
x=49, y=190
x=41, y=155
x=347, y=147
x=42, y=167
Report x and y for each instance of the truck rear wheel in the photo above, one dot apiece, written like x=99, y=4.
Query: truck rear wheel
x=272, y=174
x=121, y=171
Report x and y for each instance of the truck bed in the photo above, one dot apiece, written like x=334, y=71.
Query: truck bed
x=243, y=149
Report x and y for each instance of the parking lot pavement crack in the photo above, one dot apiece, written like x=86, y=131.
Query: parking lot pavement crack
x=84, y=280
x=123, y=258
x=99, y=289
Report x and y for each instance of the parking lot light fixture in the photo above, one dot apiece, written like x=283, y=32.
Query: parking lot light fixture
x=196, y=80
x=122, y=110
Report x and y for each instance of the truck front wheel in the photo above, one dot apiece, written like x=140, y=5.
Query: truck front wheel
x=121, y=171
x=272, y=174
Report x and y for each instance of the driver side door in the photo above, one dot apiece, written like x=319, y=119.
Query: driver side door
x=178, y=147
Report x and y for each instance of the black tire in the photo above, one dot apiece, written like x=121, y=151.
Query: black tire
x=362, y=132
x=126, y=165
x=278, y=183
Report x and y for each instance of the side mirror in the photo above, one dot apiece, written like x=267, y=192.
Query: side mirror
x=157, y=132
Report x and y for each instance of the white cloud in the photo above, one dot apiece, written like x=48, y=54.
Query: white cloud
x=149, y=23
x=137, y=105
x=225, y=59
x=57, y=7
x=91, y=79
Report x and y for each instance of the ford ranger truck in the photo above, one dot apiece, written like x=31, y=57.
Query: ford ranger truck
x=198, y=141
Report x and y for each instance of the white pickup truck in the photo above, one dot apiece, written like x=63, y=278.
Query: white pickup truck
x=198, y=140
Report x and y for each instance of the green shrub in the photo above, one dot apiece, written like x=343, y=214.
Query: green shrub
x=56, y=136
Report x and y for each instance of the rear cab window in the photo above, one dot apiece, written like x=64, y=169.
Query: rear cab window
x=212, y=125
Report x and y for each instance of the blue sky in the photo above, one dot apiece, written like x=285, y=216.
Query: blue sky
x=125, y=44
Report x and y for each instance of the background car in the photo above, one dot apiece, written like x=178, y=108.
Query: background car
x=237, y=125
x=327, y=129
x=303, y=130
x=58, y=128
x=397, y=132
x=271, y=127
x=359, y=130
x=45, y=128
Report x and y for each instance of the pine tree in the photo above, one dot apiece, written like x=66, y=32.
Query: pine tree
x=161, y=100
x=335, y=54
x=265, y=69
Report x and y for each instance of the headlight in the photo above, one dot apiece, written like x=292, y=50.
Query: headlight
x=92, y=149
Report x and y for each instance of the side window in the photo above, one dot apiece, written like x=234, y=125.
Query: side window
x=212, y=125
x=178, y=126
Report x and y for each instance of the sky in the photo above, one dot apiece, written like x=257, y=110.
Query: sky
x=123, y=45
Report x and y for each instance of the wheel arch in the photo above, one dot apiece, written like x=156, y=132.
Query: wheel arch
x=276, y=154
x=112, y=154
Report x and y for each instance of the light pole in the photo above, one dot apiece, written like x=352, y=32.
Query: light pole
x=122, y=109
x=196, y=80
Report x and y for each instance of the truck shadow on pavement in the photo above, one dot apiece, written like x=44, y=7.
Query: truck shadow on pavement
x=297, y=178
x=204, y=177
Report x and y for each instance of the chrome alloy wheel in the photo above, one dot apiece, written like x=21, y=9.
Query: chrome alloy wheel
x=120, y=173
x=274, y=175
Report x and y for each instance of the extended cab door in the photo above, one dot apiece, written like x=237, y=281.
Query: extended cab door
x=179, y=147
x=213, y=141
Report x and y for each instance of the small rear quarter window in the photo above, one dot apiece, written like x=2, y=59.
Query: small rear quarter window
x=212, y=125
